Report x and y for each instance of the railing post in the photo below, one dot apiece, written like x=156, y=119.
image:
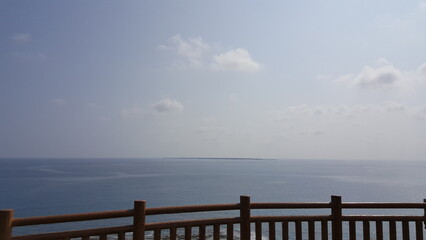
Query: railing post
x=424, y=201
x=336, y=213
x=6, y=217
x=245, y=217
x=139, y=220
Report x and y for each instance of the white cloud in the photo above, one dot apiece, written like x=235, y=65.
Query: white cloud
x=377, y=78
x=385, y=77
x=235, y=60
x=422, y=6
x=193, y=48
x=163, y=106
x=191, y=51
x=195, y=53
x=21, y=37
x=167, y=106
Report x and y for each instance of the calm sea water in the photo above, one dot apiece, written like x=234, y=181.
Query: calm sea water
x=36, y=187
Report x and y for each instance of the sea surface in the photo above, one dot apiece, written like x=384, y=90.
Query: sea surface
x=38, y=187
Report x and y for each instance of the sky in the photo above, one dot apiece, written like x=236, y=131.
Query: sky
x=322, y=79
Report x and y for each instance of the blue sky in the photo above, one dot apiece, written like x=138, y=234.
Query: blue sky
x=271, y=79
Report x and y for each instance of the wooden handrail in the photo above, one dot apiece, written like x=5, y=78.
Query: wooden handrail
x=192, y=208
x=291, y=218
x=381, y=218
x=26, y=221
x=17, y=222
x=368, y=205
x=288, y=205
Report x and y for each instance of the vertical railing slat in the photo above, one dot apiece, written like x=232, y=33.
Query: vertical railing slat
x=271, y=230
x=121, y=236
x=419, y=230
x=157, y=234
x=172, y=233
x=352, y=230
x=88, y=238
x=188, y=233
x=216, y=232
x=311, y=230
x=230, y=231
x=103, y=237
x=201, y=232
x=366, y=230
x=298, y=228
x=379, y=230
x=392, y=230
x=324, y=230
x=258, y=230
x=405, y=230
x=284, y=229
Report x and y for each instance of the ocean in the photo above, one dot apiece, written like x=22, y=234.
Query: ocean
x=37, y=187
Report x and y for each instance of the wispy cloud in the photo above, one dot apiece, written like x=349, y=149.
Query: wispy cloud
x=422, y=69
x=167, y=105
x=132, y=111
x=235, y=60
x=422, y=6
x=21, y=37
x=58, y=102
x=329, y=113
x=195, y=53
x=190, y=51
x=29, y=57
x=392, y=106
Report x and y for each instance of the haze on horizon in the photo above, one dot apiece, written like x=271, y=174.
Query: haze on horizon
x=261, y=79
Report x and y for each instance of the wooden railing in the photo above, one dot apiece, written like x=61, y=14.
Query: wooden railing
x=290, y=226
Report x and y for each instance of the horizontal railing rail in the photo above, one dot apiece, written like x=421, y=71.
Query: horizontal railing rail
x=381, y=218
x=288, y=205
x=291, y=225
x=367, y=205
x=18, y=222
x=291, y=218
x=192, y=208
